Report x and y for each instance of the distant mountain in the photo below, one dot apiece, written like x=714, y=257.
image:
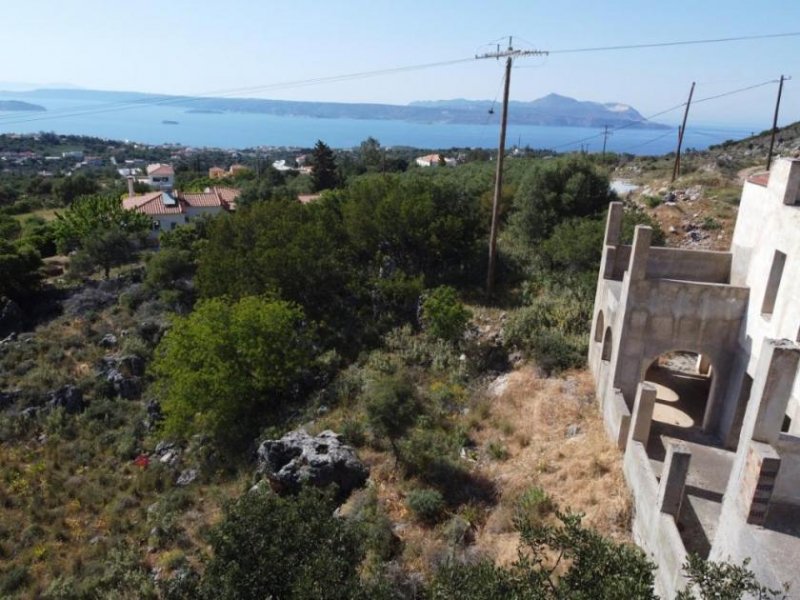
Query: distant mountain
x=552, y=110
x=16, y=105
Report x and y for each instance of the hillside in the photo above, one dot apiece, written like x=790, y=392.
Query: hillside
x=698, y=209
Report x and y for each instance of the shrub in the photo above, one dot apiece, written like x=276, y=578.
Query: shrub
x=225, y=367
x=443, y=315
x=532, y=506
x=392, y=407
x=426, y=504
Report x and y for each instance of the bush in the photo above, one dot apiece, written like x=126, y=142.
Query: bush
x=272, y=547
x=426, y=504
x=392, y=407
x=532, y=506
x=443, y=315
x=226, y=367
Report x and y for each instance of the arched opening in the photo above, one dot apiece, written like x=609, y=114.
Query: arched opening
x=683, y=382
x=598, y=330
x=607, y=345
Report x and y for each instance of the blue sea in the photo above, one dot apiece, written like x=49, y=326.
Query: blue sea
x=145, y=124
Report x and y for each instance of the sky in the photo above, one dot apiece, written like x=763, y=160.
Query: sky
x=202, y=46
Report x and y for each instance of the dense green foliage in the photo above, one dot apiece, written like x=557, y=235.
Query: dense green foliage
x=228, y=365
x=19, y=275
x=724, y=581
x=443, y=314
x=288, y=548
x=91, y=216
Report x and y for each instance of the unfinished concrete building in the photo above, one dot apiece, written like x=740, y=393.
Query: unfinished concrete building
x=695, y=356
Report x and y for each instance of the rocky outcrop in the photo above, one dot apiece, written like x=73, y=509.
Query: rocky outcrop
x=68, y=397
x=10, y=317
x=299, y=458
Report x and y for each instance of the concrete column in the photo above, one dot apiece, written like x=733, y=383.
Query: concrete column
x=642, y=416
x=784, y=180
x=703, y=364
x=637, y=268
x=771, y=392
x=673, y=478
x=758, y=482
x=614, y=224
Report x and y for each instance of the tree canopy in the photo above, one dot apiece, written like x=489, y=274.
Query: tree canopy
x=227, y=366
x=324, y=174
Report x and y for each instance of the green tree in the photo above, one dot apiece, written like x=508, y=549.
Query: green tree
x=92, y=214
x=324, y=174
x=228, y=366
x=553, y=191
x=290, y=548
x=443, y=314
x=109, y=248
x=70, y=188
x=371, y=154
x=19, y=270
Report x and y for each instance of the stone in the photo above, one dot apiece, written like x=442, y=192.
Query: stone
x=573, y=430
x=88, y=300
x=299, y=458
x=8, y=397
x=69, y=397
x=109, y=340
x=186, y=477
x=11, y=317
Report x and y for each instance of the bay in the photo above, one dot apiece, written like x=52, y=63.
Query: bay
x=161, y=124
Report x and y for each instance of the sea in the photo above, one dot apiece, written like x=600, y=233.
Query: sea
x=164, y=124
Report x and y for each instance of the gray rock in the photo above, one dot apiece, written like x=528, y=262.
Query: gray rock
x=8, y=397
x=11, y=316
x=88, y=300
x=187, y=476
x=109, y=341
x=298, y=458
x=69, y=398
x=573, y=430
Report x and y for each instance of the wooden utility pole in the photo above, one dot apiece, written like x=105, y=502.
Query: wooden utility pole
x=509, y=55
x=677, y=167
x=775, y=123
x=605, y=139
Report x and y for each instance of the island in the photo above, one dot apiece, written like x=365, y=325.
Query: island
x=19, y=106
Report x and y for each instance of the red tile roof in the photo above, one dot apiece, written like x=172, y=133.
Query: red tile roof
x=160, y=170
x=201, y=200
x=228, y=196
x=152, y=204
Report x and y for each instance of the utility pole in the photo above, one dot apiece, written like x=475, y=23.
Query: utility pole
x=775, y=123
x=677, y=167
x=605, y=138
x=509, y=55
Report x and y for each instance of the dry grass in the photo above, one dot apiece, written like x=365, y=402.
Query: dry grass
x=582, y=473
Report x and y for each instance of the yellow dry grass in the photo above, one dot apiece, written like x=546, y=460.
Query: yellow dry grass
x=583, y=473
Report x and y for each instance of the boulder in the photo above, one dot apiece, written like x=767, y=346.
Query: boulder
x=186, y=477
x=87, y=301
x=298, y=458
x=68, y=397
x=109, y=341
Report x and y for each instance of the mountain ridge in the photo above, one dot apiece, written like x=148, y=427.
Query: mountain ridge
x=551, y=110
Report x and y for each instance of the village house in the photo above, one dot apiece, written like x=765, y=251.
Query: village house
x=161, y=177
x=169, y=211
x=435, y=160
x=695, y=357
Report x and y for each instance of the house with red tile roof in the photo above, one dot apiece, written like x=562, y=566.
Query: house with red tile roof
x=169, y=211
x=161, y=176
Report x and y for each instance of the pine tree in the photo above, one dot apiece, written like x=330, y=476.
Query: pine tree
x=324, y=175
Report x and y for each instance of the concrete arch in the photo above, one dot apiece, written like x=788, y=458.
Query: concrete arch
x=715, y=392
x=598, y=330
x=607, y=344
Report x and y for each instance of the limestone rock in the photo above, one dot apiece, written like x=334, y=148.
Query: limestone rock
x=299, y=458
x=68, y=397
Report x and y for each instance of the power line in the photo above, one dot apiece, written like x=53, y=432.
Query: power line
x=677, y=43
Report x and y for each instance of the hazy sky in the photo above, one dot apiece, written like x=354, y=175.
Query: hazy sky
x=200, y=46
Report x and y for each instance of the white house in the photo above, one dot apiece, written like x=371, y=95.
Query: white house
x=161, y=177
x=434, y=160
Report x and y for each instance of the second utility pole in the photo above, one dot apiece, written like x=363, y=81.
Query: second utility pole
x=775, y=123
x=676, y=169
x=501, y=150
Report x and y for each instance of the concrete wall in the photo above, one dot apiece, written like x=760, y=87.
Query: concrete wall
x=787, y=486
x=766, y=223
x=656, y=533
x=196, y=211
x=673, y=263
